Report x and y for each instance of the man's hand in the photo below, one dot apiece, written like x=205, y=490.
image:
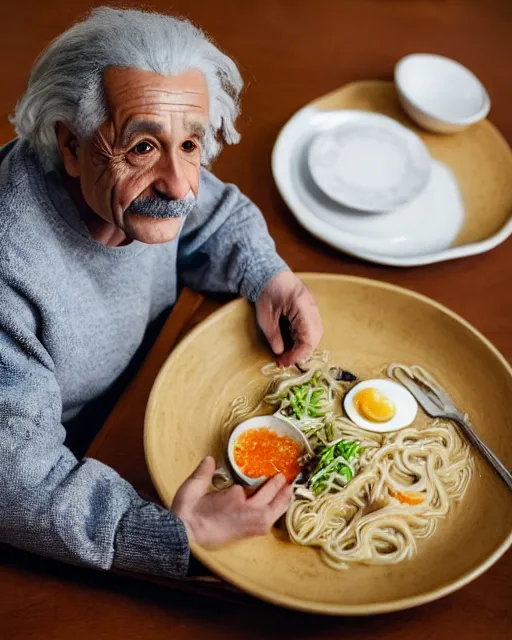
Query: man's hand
x=212, y=519
x=288, y=296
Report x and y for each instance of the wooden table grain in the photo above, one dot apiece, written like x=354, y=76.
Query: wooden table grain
x=289, y=52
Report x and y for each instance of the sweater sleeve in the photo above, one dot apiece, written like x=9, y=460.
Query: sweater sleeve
x=52, y=504
x=225, y=246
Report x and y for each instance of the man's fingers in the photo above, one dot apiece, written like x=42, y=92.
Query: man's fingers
x=268, y=491
x=269, y=323
x=308, y=330
x=281, y=502
x=200, y=480
x=300, y=353
x=205, y=469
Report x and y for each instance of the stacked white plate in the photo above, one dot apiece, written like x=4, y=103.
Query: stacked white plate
x=367, y=185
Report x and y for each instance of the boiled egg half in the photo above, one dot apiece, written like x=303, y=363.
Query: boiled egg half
x=380, y=405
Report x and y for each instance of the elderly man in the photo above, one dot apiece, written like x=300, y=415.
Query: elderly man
x=104, y=208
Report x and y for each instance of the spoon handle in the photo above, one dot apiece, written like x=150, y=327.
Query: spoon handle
x=493, y=460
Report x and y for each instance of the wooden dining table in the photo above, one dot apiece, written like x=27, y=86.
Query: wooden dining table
x=289, y=52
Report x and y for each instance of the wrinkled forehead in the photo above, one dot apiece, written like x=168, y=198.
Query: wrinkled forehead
x=133, y=94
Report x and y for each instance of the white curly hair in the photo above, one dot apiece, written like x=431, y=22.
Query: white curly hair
x=66, y=82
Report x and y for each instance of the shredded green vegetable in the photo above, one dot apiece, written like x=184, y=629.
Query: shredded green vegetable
x=308, y=400
x=312, y=404
x=335, y=459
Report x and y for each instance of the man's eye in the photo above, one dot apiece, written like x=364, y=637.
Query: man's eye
x=188, y=145
x=143, y=148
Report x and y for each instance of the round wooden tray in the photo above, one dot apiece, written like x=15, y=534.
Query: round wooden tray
x=367, y=324
x=479, y=158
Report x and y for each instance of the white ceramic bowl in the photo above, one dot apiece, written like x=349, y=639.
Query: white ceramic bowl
x=230, y=473
x=440, y=94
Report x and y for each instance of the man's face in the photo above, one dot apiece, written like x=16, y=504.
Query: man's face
x=147, y=154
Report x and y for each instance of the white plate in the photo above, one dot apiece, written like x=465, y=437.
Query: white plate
x=374, y=164
x=419, y=233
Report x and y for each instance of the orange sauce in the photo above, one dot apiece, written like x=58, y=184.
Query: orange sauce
x=262, y=452
x=407, y=498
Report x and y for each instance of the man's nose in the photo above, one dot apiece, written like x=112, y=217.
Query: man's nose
x=172, y=181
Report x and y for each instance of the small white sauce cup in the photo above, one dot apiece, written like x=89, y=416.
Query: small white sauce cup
x=440, y=94
x=230, y=472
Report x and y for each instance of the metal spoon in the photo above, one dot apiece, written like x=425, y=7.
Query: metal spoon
x=438, y=405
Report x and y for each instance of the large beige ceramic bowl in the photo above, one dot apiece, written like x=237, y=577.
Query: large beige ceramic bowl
x=367, y=324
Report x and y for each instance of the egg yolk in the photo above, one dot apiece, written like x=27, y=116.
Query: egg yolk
x=373, y=405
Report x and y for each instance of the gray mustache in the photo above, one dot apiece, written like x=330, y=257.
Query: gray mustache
x=155, y=207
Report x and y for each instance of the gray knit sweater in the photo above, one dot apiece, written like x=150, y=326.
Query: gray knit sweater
x=72, y=314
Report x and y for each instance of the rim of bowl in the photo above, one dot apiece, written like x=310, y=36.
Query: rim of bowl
x=253, y=482
x=478, y=115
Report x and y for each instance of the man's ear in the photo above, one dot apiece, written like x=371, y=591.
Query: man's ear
x=68, y=143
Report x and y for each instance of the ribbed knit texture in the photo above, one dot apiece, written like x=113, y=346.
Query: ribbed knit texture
x=72, y=314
